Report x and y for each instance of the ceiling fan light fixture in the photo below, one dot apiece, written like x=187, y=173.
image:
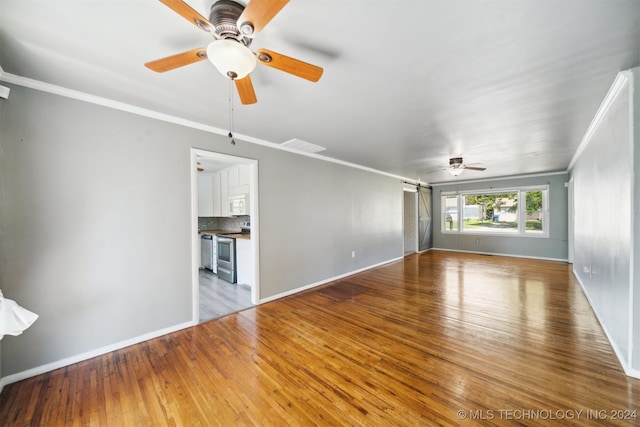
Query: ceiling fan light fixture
x=455, y=166
x=455, y=171
x=231, y=58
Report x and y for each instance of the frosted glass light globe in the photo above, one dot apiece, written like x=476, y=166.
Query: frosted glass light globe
x=231, y=58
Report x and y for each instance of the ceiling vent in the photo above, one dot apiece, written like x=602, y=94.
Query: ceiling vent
x=301, y=145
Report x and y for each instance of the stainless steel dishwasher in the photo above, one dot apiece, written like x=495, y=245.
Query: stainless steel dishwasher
x=206, y=251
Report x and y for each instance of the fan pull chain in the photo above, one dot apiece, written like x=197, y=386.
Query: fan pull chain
x=233, y=141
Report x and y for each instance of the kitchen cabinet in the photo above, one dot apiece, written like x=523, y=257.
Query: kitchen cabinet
x=238, y=179
x=224, y=193
x=215, y=190
x=211, y=200
x=233, y=176
x=205, y=195
x=245, y=262
x=217, y=201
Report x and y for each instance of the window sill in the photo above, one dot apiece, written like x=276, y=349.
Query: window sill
x=494, y=234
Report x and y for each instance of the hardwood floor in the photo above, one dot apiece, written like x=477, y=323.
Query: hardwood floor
x=437, y=339
x=219, y=298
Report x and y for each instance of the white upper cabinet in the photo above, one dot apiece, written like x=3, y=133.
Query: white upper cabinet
x=205, y=195
x=238, y=179
x=224, y=193
x=233, y=175
x=215, y=189
x=217, y=201
x=244, y=176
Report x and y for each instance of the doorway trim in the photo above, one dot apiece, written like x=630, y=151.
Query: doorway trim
x=195, y=237
x=570, y=222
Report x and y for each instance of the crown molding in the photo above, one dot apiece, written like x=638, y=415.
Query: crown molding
x=133, y=109
x=621, y=80
x=497, y=178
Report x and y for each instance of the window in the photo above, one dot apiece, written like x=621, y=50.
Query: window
x=534, y=218
x=498, y=212
x=450, y=212
x=491, y=212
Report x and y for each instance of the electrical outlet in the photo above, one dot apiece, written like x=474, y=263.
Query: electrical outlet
x=353, y=254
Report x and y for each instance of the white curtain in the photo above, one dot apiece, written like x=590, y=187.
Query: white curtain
x=13, y=318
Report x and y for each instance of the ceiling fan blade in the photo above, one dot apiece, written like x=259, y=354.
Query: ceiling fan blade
x=437, y=170
x=184, y=10
x=289, y=65
x=474, y=168
x=258, y=13
x=176, y=61
x=245, y=90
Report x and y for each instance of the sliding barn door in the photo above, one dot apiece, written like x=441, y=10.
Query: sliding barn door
x=425, y=219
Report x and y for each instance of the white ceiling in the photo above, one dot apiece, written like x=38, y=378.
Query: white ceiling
x=406, y=84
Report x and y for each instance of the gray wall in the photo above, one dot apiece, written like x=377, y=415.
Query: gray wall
x=554, y=247
x=95, y=220
x=603, y=177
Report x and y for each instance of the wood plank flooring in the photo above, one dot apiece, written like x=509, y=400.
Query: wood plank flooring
x=219, y=298
x=437, y=339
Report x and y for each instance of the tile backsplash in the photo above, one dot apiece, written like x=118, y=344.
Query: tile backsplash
x=222, y=223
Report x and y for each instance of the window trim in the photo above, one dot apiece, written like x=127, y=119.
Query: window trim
x=521, y=194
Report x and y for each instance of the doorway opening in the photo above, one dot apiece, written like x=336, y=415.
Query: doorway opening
x=425, y=219
x=410, y=221
x=417, y=204
x=225, y=233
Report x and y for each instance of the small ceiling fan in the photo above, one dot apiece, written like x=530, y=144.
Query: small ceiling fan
x=233, y=27
x=456, y=167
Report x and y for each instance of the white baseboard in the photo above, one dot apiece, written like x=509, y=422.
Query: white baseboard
x=117, y=346
x=498, y=254
x=322, y=282
x=621, y=358
x=424, y=251
x=90, y=354
x=634, y=373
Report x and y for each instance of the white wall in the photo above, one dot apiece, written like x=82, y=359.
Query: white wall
x=603, y=177
x=95, y=219
x=635, y=319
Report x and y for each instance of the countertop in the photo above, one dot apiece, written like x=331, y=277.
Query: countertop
x=244, y=236
x=234, y=234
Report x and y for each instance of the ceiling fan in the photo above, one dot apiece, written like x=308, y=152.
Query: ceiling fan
x=456, y=167
x=233, y=27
